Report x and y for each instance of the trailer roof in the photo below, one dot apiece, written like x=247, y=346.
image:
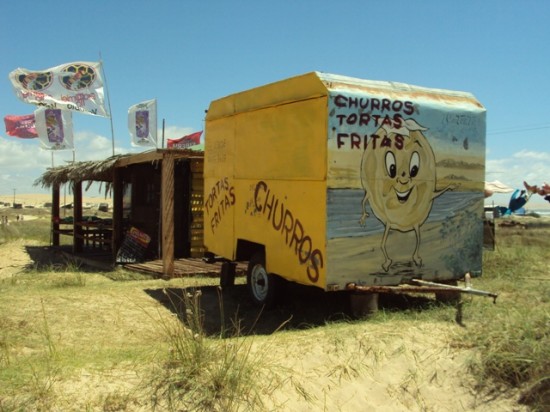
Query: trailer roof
x=316, y=84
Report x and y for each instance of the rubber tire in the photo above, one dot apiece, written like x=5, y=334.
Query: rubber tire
x=262, y=286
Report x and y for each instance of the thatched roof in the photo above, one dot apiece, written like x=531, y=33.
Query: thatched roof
x=98, y=171
x=103, y=170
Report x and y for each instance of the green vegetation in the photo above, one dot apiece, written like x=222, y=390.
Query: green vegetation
x=208, y=374
x=36, y=228
x=512, y=338
x=72, y=339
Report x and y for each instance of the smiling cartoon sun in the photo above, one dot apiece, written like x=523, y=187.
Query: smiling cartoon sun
x=399, y=179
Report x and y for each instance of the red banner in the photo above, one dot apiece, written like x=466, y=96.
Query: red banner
x=21, y=126
x=185, y=141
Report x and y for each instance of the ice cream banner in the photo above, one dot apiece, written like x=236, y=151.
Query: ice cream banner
x=55, y=128
x=74, y=86
x=142, y=123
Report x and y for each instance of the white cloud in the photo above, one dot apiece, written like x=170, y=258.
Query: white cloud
x=174, y=132
x=90, y=146
x=22, y=154
x=528, y=154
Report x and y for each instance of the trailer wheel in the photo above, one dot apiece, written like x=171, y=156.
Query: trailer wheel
x=261, y=285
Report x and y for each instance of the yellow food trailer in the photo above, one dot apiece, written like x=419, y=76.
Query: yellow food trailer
x=344, y=183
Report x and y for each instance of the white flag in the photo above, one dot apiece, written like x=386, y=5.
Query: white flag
x=72, y=86
x=142, y=123
x=54, y=128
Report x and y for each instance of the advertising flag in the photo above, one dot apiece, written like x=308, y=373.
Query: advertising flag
x=74, y=86
x=20, y=126
x=55, y=128
x=142, y=123
x=185, y=142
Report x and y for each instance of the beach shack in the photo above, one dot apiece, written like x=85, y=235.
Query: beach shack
x=345, y=184
x=156, y=215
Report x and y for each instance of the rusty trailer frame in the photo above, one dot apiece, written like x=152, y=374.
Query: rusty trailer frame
x=423, y=287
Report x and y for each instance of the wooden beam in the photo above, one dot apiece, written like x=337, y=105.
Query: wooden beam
x=55, y=215
x=78, y=240
x=167, y=212
x=118, y=228
x=157, y=156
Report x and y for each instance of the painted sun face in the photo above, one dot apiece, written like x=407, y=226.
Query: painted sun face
x=398, y=174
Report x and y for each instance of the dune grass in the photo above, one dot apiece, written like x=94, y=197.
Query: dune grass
x=64, y=330
x=205, y=374
x=173, y=364
x=512, y=338
x=52, y=335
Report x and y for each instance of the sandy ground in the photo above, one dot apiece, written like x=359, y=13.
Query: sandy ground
x=39, y=199
x=370, y=367
x=366, y=367
x=411, y=366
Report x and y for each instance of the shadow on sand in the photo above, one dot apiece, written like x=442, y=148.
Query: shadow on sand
x=60, y=258
x=299, y=307
x=231, y=309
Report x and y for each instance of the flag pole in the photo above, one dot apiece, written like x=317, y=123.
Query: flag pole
x=108, y=103
x=162, y=147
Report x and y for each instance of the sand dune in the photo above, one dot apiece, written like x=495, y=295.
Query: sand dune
x=39, y=199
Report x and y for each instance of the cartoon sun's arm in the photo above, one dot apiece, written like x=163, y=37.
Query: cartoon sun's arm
x=452, y=186
x=364, y=213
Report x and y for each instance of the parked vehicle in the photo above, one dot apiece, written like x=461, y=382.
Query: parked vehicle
x=324, y=180
x=345, y=184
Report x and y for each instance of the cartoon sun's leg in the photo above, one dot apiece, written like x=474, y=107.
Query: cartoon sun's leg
x=386, y=265
x=416, y=255
x=364, y=213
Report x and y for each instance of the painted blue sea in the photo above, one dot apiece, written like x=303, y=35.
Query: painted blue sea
x=344, y=211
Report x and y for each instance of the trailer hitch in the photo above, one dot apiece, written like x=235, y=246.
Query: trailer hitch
x=465, y=289
x=423, y=287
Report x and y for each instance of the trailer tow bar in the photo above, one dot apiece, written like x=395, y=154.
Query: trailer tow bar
x=423, y=287
x=466, y=289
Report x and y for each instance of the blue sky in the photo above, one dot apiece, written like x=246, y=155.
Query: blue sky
x=188, y=53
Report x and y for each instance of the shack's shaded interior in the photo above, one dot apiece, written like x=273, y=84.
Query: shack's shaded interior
x=141, y=205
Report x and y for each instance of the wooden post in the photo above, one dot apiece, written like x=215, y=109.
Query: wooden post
x=118, y=193
x=167, y=213
x=55, y=215
x=78, y=241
